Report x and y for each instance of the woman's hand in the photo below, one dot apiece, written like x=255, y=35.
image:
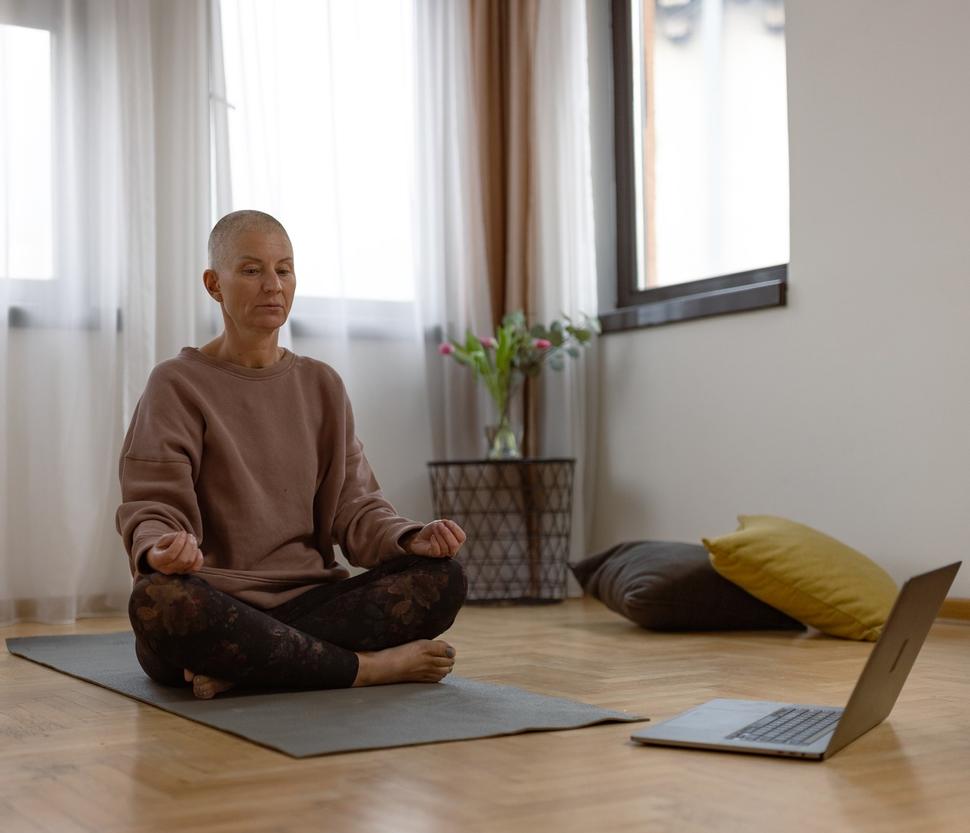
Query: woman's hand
x=175, y=552
x=438, y=539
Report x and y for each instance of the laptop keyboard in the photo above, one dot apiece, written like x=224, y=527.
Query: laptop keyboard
x=792, y=725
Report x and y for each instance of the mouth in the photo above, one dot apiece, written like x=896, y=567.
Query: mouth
x=272, y=306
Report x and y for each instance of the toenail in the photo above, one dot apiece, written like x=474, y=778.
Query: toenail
x=450, y=652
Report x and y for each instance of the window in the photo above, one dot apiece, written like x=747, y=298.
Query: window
x=701, y=158
x=26, y=188
x=320, y=135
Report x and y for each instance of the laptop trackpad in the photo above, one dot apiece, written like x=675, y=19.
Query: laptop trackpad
x=713, y=719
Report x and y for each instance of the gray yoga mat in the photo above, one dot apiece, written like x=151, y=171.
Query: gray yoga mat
x=305, y=723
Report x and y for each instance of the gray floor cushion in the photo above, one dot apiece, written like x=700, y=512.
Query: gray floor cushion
x=671, y=586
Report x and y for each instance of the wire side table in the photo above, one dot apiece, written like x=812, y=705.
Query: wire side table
x=517, y=516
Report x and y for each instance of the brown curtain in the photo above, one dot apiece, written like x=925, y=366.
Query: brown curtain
x=503, y=50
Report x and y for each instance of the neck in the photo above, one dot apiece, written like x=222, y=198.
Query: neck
x=246, y=354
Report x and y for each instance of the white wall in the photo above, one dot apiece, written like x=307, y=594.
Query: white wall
x=849, y=409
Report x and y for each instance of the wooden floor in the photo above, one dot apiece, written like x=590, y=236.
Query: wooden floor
x=78, y=757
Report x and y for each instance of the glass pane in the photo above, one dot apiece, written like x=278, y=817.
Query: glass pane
x=320, y=134
x=26, y=204
x=710, y=101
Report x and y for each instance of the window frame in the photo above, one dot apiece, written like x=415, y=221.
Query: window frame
x=635, y=308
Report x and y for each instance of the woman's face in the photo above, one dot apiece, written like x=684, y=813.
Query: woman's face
x=256, y=281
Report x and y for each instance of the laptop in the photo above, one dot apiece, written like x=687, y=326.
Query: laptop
x=818, y=732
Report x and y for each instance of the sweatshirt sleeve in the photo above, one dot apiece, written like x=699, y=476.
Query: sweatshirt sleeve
x=366, y=525
x=157, y=468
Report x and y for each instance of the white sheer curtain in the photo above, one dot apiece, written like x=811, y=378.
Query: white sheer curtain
x=352, y=124
x=319, y=112
x=565, y=250
x=449, y=226
x=125, y=231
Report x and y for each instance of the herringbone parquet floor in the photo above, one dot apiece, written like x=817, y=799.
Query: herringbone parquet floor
x=76, y=757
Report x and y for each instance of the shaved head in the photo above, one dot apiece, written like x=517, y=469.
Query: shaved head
x=225, y=232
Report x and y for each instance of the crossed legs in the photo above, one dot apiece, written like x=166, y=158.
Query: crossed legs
x=372, y=628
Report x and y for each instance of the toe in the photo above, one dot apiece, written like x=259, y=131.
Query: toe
x=203, y=687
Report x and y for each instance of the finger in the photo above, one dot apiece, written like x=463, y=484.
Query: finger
x=175, y=545
x=449, y=546
x=168, y=552
x=191, y=551
x=199, y=561
x=189, y=556
x=451, y=541
x=457, y=530
x=183, y=548
x=184, y=552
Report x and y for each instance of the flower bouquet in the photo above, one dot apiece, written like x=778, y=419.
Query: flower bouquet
x=514, y=353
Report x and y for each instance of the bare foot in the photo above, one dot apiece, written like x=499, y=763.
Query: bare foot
x=421, y=661
x=205, y=688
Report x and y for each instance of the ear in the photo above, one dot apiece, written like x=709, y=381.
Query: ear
x=211, y=280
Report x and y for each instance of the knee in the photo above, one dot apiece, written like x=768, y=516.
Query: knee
x=155, y=667
x=172, y=605
x=452, y=589
x=457, y=582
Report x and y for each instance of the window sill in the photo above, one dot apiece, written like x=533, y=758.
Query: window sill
x=309, y=318
x=757, y=289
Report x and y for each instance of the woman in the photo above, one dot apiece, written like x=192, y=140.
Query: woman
x=239, y=471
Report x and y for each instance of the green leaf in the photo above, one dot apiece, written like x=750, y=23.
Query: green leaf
x=460, y=356
x=573, y=351
x=514, y=319
x=503, y=351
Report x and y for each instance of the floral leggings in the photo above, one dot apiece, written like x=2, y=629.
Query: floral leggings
x=307, y=643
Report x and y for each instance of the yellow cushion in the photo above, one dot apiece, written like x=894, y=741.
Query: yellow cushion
x=806, y=574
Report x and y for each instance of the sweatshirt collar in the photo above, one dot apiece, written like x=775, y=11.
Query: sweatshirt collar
x=276, y=369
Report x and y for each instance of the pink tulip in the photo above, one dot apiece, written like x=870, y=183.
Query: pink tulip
x=446, y=349
x=488, y=342
x=542, y=344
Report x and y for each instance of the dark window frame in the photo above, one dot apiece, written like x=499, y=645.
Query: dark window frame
x=635, y=308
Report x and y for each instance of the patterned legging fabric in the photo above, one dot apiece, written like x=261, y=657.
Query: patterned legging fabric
x=307, y=643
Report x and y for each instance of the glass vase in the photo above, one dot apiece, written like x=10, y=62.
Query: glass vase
x=504, y=440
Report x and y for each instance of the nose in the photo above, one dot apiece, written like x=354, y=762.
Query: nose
x=272, y=283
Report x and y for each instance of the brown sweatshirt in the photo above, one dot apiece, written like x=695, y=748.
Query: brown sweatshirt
x=263, y=466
